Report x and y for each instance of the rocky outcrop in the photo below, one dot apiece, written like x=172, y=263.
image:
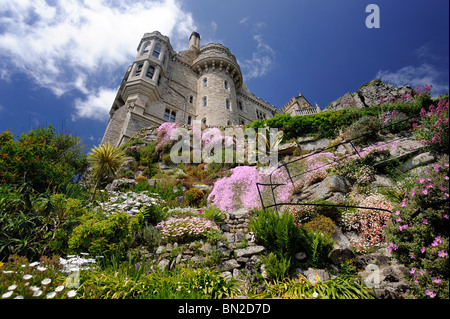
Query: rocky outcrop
x=370, y=94
x=384, y=274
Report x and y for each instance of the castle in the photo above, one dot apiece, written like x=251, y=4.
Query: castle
x=200, y=83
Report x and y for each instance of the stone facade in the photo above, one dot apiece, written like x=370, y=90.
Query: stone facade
x=299, y=105
x=200, y=83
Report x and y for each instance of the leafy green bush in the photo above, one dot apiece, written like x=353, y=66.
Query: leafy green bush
x=364, y=131
x=101, y=235
x=276, y=267
x=318, y=248
x=420, y=236
x=305, y=213
x=344, y=287
x=321, y=224
x=41, y=158
x=20, y=224
x=278, y=234
x=130, y=280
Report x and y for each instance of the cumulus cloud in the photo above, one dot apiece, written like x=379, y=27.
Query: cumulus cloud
x=72, y=45
x=96, y=106
x=431, y=69
x=261, y=62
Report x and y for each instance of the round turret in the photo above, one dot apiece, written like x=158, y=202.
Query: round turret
x=219, y=77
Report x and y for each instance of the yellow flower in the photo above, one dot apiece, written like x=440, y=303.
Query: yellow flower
x=1, y=264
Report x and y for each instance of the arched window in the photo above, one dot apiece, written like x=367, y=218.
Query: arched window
x=229, y=123
x=227, y=104
x=225, y=84
x=204, y=120
x=205, y=82
x=205, y=101
x=240, y=106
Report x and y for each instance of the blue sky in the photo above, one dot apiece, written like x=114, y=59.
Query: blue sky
x=61, y=62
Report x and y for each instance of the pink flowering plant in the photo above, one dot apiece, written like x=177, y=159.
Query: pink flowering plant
x=420, y=236
x=239, y=190
x=186, y=229
x=369, y=223
x=432, y=130
x=163, y=135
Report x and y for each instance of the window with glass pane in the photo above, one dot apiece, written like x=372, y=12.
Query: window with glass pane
x=173, y=115
x=156, y=51
x=150, y=71
x=166, y=114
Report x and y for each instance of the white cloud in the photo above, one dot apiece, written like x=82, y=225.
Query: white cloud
x=96, y=106
x=417, y=76
x=261, y=62
x=76, y=45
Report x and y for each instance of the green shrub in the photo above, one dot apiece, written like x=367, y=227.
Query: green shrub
x=304, y=213
x=367, y=127
x=130, y=280
x=100, y=235
x=345, y=287
x=321, y=224
x=214, y=214
x=141, y=179
x=194, y=196
x=20, y=224
x=153, y=214
x=41, y=158
x=278, y=234
x=318, y=248
x=276, y=267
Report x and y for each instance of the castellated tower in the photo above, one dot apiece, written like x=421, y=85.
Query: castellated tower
x=200, y=83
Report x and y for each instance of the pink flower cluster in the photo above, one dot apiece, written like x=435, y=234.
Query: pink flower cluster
x=240, y=191
x=315, y=167
x=369, y=222
x=185, y=229
x=163, y=133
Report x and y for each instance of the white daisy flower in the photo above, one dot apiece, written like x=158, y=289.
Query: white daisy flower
x=12, y=287
x=26, y=277
x=7, y=294
x=37, y=293
x=59, y=288
x=71, y=293
x=34, y=264
x=51, y=295
x=46, y=281
x=18, y=297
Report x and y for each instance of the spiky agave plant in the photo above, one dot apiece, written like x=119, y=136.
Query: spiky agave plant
x=105, y=160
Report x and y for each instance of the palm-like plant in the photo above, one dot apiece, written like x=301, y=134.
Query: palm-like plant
x=105, y=160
